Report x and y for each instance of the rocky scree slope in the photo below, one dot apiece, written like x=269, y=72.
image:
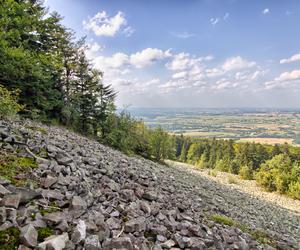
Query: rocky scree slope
x=84, y=195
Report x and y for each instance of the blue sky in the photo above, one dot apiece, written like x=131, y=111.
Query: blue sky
x=192, y=53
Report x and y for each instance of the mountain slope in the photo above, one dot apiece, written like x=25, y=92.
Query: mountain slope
x=93, y=197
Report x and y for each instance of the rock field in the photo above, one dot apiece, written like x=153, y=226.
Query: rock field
x=89, y=196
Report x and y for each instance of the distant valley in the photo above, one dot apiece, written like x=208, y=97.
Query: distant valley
x=267, y=126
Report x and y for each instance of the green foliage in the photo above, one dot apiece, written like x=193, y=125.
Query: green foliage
x=45, y=232
x=222, y=219
x=280, y=174
x=9, y=238
x=246, y=172
x=11, y=166
x=9, y=102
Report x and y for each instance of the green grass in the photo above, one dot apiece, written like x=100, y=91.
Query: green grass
x=212, y=173
x=222, y=219
x=259, y=235
x=11, y=166
x=43, y=233
x=9, y=238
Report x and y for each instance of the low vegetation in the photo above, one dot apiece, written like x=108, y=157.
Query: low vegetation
x=9, y=238
x=14, y=168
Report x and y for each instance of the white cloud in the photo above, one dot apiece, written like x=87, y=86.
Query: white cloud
x=214, y=21
x=235, y=63
x=266, y=11
x=293, y=58
x=148, y=56
x=181, y=74
x=287, y=76
x=93, y=48
x=183, y=35
x=116, y=61
x=290, y=79
x=103, y=25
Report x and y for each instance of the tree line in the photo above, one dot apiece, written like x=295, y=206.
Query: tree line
x=46, y=76
x=277, y=168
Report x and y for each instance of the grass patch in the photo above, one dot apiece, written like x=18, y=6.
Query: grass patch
x=9, y=238
x=212, y=173
x=232, y=180
x=222, y=219
x=11, y=166
x=43, y=233
x=259, y=235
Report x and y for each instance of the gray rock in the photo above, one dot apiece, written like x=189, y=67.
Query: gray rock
x=168, y=244
x=121, y=243
x=135, y=225
x=54, y=218
x=54, y=242
x=11, y=200
x=92, y=243
x=48, y=181
x=2, y=215
x=3, y=191
x=79, y=232
x=78, y=203
x=150, y=195
x=52, y=195
x=28, y=236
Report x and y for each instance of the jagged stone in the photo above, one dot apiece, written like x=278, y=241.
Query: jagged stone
x=11, y=200
x=135, y=225
x=121, y=243
x=28, y=236
x=2, y=215
x=52, y=195
x=54, y=242
x=92, y=243
x=3, y=191
x=168, y=244
x=150, y=195
x=48, y=181
x=78, y=203
x=54, y=218
x=79, y=232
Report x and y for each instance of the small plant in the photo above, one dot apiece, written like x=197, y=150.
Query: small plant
x=11, y=166
x=212, y=173
x=222, y=219
x=45, y=232
x=232, y=180
x=9, y=238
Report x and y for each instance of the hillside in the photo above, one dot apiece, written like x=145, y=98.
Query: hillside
x=87, y=196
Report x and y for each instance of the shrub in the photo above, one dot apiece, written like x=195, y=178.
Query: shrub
x=9, y=102
x=294, y=189
x=9, y=238
x=246, y=172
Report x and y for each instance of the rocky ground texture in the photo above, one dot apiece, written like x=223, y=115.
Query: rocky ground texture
x=84, y=195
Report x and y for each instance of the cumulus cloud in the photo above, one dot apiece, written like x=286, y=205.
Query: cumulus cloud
x=115, y=61
x=293, y=58
x=104, y=25
x=284, y=80
x=287, y=76
x=236, y=63
x=183, y=61
x=148, y=56
x=266, y=11
x=92, y=50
